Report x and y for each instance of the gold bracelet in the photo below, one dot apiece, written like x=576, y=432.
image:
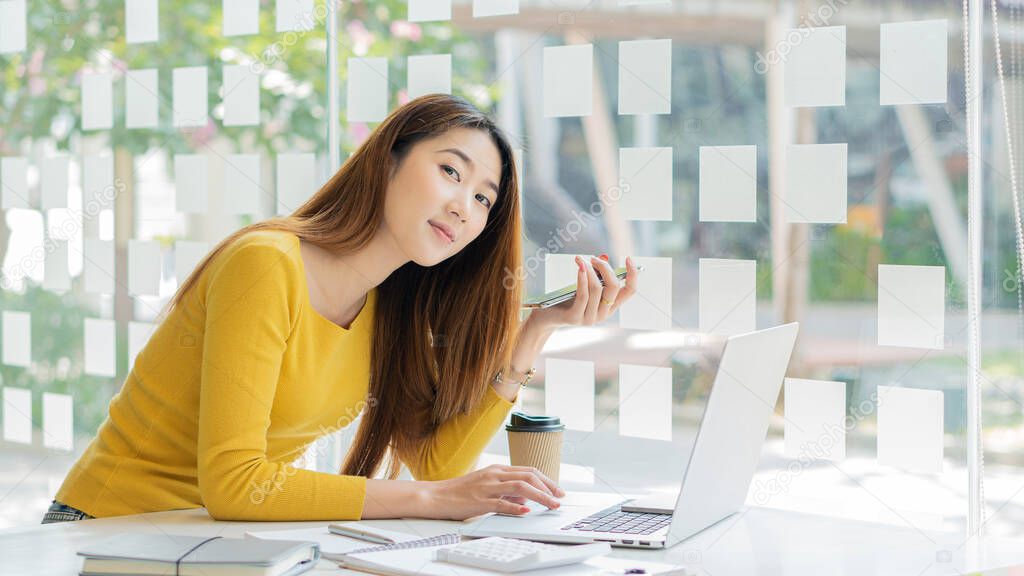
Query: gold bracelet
x=526, y=376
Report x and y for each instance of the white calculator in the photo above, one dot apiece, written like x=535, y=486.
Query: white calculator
x=512, y=555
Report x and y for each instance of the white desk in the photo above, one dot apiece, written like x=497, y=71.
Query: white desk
x=755, y=541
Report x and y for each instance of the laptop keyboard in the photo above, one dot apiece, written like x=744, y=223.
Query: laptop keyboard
x=615, y=520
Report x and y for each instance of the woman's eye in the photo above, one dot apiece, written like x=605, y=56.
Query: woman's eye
x=445, y=167
x=488, y=204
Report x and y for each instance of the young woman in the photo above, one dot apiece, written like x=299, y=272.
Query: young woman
x=385, y=294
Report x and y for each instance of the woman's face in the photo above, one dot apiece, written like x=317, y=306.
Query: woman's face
x=449, y=181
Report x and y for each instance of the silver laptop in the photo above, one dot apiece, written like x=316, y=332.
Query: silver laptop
x=717, y=476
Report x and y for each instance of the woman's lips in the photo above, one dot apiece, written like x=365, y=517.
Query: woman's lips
x=442, y=234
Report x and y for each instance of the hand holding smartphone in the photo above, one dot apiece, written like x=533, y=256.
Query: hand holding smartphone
x=565, y=294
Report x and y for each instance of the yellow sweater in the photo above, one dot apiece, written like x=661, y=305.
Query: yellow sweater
x=233, y=386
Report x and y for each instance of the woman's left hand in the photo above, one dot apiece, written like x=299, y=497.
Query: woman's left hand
x=593, y=302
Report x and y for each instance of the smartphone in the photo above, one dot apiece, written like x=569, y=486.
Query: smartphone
x=567, y=293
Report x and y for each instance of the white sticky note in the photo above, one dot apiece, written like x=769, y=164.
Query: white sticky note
x=727, y=294
x=560, y=270
x=815, y=414
x=910, y=428
x=294, y=15
x=241, y=17
x=56, y=274
x=912, y=62
x=645, y=182
x=912, y=306
x=144, y=268
x=98, y=266
x=187, y=254
x=98, y=190
x=17, y=349
x=816, y=183
x=645, y=401
x=141, y=95
x=728, y=184
x=99, y=347
x=295, y=181
x=241, y=96
x=58, y=421
x=242, y=184
x=429, y=74
x=429, y=10
x=142, y=21
x=815, y=68
x=14, y=180
x=190, y=96
x=484, y=8
x=650, y=308
x=138, y=335
x=12, y=26
x=367, y=89
x=569, y=392
x=191, y=182
x=54, y=181
x=645, y=77
x=17, y=415
x=568, y=80
x=97, y=101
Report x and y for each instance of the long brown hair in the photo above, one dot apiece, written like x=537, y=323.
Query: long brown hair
x=440, y=333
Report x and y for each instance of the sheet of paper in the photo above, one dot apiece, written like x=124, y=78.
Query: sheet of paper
x=911, y=306
x=815, y=68
x=296, y=181
x=142, y=21
x=814, y=419
x=187, y=254
x=58, y=421
x=645, y=183
x=429, y=74
x=56, y=274
x=295, y=15
x=243, y=188
x=98, y=266
x=912, y=62
x=190, y=96
x=560, y=270
x=910, y=429
x=12, y=26
x=645, y=401
x=367, y=89
x=138, y=335
x=568, y=80
x=99, y=347
x=54, y=181
x=728, y=184
x=98, y=190
x=14, y=180
x=569, y=392
x=144, y=264
x=429, y=10
x=191, y=182
x=650, y=308
x=17, y=415
x=241, y=96
x=241, y=17
x=97, y=101
x=142, y=102
x=645, y=77
x=484, y=8
x=816, y=183
x=17, y=349
x=727, y=293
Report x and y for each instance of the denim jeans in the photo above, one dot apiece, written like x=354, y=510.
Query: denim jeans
x=59, y=512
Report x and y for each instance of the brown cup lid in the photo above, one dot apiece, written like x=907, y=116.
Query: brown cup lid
x=521, y=422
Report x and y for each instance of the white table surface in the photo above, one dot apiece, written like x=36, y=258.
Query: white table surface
x=753, y=541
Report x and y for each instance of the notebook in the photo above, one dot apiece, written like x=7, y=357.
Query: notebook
x=133, y=553
x=335, y=547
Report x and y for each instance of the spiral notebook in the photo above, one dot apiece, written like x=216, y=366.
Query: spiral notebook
x=336, y=547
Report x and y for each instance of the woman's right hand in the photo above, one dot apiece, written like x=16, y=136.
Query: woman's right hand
x=496, y=488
